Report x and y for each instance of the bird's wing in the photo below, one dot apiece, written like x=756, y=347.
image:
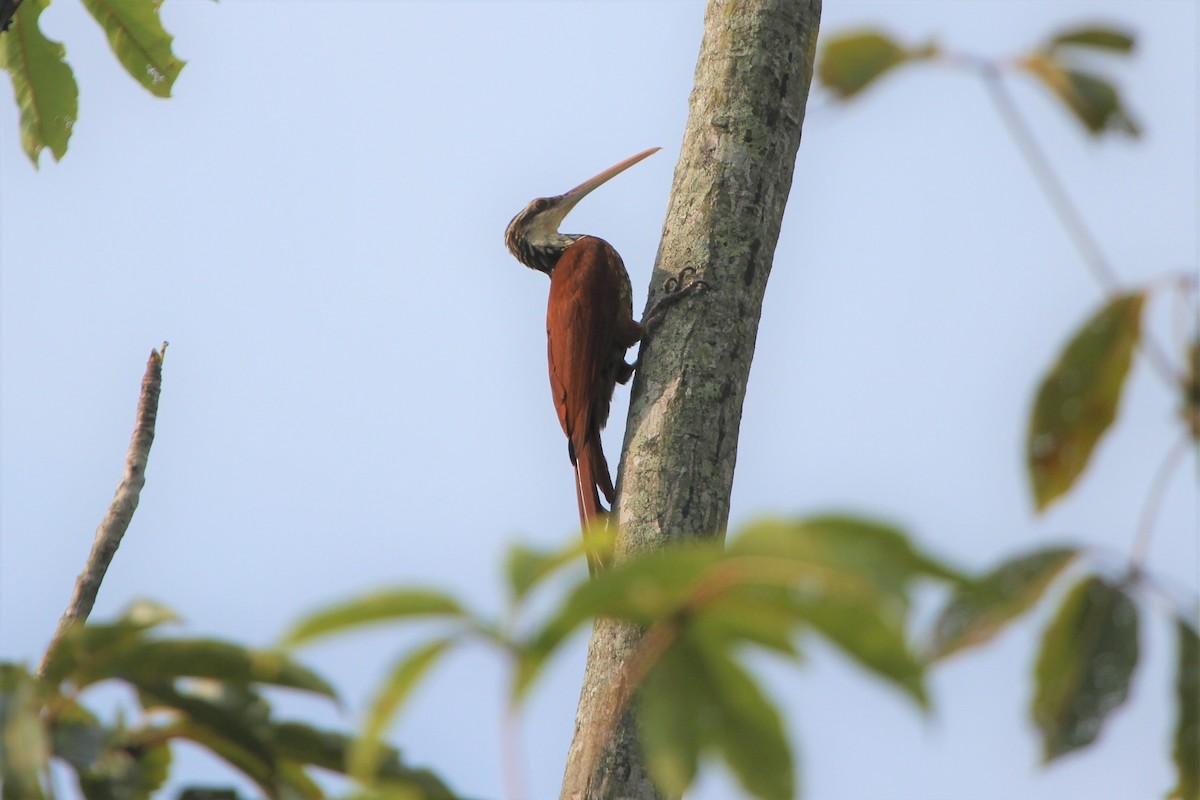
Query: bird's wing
x=581, y=324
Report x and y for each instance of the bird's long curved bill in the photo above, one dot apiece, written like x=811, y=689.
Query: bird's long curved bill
x=582, y=190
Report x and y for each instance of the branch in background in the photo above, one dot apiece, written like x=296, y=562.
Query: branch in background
x=120, y=512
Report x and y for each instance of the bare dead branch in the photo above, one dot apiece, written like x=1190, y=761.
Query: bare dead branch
x=120, y=511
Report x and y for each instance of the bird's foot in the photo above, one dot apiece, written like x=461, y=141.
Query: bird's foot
x=677, y=287
x=676, y=282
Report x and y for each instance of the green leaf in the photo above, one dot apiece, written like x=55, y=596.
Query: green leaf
x=1186, y=751
x=526, y=567
x=150, y=662
x=232, y=722
x=329, y=750
x=1084, y=666
x=1094, y=101
x=296, y=784
x=296, y=746
x=386, y=606
x=77, y=736
x=396, y=688
x=136, y=36
x=263, y=772
x=1078, y=398
x=697, y=698
x=81, y=646
x=852, y=583
x=751, y=614
x=145, y=615
x=874, y=636
x=153, y=769
x=305, y=744
x=860, y=555
x=643, y=589
x=1097, y=104
x=1112, y=39
x=126, y=773
x=42, y=81
x=206, y=793
x=852, y=61
x=24, y=743
x=980, y=610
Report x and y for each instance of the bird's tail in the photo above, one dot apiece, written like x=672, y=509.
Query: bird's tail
x=592, y=478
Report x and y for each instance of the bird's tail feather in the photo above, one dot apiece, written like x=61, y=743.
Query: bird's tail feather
x=592, y=478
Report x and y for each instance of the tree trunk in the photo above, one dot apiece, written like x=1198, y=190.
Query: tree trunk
x=730, y=188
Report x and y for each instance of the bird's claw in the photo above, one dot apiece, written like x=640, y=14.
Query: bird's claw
x=675, y=290
x=676, y=282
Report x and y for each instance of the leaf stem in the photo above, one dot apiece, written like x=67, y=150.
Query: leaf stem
x=1154, y=497
x=512, y=762
x=1039, y=164
x=1064, y=209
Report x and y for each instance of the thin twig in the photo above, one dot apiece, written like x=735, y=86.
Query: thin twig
x=120, y=511
x=1158, y=488
x=512, y=762
x=1039, y=164
x=1061, y=203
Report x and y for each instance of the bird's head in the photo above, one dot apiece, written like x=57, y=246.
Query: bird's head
x=533, y=237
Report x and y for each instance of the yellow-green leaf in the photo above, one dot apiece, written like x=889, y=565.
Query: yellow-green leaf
x=980, y=610
x=303, y=744
x=1094, y=101
x=1186, y=750
x=843, y=548
x=851, y=580
x=370, y=609
x=874, y=635
x=128, y=771
x=751, y=614
x=643, y=589
x=1078, y=398
x=148, y=662
x=136, y=36
x=526, y=567
x=698, y=699
x=82, y=646
x=366, y=753
x=1084, y=666
x=851, y=61
x=42, y=82
x=1101, y=38
x=24, y=742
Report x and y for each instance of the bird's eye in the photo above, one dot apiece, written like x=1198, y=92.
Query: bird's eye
x=541, y=203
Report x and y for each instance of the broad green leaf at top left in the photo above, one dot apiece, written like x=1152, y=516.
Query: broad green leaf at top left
x=139, y=41
x=43, y=83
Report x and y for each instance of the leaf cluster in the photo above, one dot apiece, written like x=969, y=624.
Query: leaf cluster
x=1088, y=654
x=704, y=608
x=44, y=84
x=204, y=691
x=852, y=61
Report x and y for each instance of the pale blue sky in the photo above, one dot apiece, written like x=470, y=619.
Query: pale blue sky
x=355, y=394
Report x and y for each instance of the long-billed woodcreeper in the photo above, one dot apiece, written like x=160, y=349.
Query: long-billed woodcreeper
x=589, y=326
